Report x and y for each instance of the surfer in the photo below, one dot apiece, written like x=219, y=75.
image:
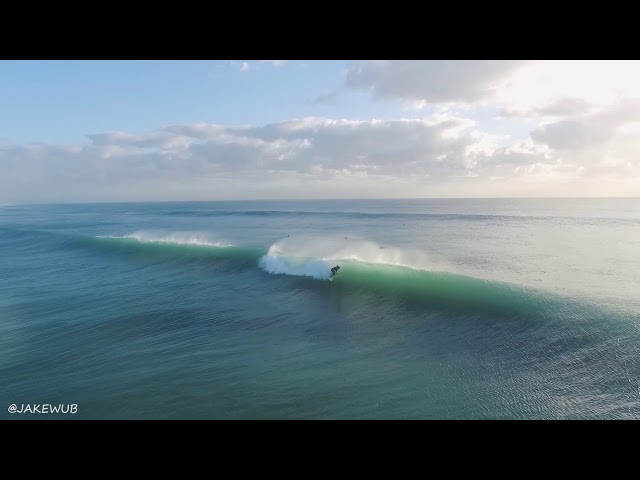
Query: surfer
x=334, y=270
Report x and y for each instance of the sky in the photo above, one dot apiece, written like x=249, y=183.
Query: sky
x=110, y=131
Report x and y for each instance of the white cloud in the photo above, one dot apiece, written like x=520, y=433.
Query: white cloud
x=275, y=63
x=538, y=85
x=528, y=89
x=441, y=155
x=247, y=65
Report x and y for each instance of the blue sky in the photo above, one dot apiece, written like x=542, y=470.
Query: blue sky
x=62, y=101
x=206, y=130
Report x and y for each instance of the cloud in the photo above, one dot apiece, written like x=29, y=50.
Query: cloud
x=593, y=129
x=247, y=65
x=571, y=134
x=560, y=107
x=327, y=99
x=441, y=155
x=431, y=81
x=520, y=90
x=275, y=63
x=563, y=106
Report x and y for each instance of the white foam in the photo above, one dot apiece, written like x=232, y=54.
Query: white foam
x=314, y=257
x=291, y=265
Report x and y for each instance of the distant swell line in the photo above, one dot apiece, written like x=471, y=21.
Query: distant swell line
x=432, y=216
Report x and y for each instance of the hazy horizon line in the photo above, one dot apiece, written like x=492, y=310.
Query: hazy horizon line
x=309, y=200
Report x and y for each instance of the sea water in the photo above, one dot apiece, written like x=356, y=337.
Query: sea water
x=442, y=309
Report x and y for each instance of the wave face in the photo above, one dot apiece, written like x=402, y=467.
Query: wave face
x=408, y=275
x=392, y=271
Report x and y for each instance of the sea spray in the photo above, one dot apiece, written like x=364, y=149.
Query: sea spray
x=277, y=263
x=179, y=238
x=314, y=256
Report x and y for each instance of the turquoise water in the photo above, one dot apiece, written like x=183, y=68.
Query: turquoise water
x=442, y=309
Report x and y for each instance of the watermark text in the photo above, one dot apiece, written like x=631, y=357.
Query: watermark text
x=44, y=408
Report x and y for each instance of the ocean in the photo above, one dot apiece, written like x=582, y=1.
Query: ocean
x=442, y=309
